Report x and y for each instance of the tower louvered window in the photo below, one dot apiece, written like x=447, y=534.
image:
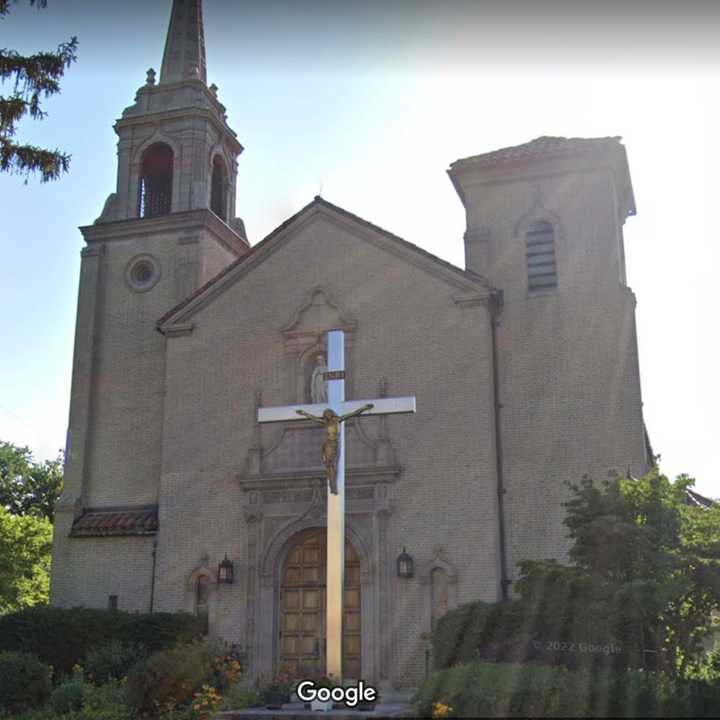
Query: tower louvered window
x=541, y=268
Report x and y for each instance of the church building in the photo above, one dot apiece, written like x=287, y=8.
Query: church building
x=523, y=363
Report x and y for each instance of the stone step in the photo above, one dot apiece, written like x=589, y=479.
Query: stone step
x=290, y=711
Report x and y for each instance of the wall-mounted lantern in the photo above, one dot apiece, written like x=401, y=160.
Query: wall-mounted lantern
x=225, y=571
x=405, y=565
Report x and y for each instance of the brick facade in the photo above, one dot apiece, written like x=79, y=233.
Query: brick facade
x=167, y=378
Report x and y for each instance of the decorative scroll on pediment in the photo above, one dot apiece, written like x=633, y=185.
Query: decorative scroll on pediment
x=537, y=212
x=318, y=314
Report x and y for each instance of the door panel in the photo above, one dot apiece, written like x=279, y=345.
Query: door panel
x=302, y=608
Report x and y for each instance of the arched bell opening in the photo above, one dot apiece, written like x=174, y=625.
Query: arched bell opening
x=155, y=183
x=218, y=188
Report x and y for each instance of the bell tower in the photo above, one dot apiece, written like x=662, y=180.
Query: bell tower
x=167, y=228
x=176, y=152
x=545, y=226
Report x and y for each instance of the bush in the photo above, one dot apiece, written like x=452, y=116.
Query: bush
x=535, y=690
x=171, y=677
x=462, y=634
x=240, y=695
x=494, y=690
x=63, y=637
x=41, y=713
x=112, y=660
x=24, y=681
x=67, y=697
x=107, y=702
x=513, y=631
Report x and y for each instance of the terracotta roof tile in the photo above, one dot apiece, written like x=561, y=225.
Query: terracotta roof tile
x=116, y=521
x=544, y=146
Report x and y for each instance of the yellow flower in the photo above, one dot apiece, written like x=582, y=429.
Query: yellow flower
x=441, y=710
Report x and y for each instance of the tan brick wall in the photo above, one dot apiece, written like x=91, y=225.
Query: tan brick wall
x=86, y=571
x=410, y=331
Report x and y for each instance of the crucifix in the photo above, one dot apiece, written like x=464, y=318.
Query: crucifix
x=332, y=416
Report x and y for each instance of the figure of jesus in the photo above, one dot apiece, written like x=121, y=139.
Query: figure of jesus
x=318, y=384
x=331, y=420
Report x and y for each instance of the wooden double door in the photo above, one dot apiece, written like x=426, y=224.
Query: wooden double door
x=302, y=609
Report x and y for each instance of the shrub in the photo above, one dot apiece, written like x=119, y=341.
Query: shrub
x=463, y=633
x=24, y=681
x=40, y=713
x=513, y=631
x=107, y=702
x=171, y=677
x=536, y=690
x=67, y=697
x=240, y=695
x=112, y=660
x=63, y=637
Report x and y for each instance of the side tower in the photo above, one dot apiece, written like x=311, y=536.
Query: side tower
x=167, y=229
x=544, y=225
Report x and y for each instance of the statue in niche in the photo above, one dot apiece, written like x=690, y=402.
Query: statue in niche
x=318, y=384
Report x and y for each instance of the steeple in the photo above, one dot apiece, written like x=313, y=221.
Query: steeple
x=176, y=151
x=184, y=55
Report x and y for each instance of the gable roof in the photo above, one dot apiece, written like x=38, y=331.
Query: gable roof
x=695, y=498
x=464, y=279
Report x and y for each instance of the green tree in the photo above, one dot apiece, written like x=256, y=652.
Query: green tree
x=27, y=487
x=31, y=77
x=645, y=571
x=25, y=552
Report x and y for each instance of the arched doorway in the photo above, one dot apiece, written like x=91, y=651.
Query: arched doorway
x=302, y=608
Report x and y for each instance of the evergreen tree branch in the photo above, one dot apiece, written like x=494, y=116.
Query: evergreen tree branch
x=4, y=9
x=32, y=77
x=28, y=159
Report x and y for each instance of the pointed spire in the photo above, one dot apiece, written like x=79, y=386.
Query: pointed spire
x=184, y=56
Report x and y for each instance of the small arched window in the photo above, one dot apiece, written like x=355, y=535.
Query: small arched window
x=218, y=188
x=541, y=268
x=202, y=595
x=439, y=594
x=155, y=185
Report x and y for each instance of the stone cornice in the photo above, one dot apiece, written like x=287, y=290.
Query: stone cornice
x=156, y=117
x=613, y=160
x=308, y=478
x=471, y=300
x=184, y=222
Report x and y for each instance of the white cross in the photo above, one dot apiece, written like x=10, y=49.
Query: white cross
x=336, y=501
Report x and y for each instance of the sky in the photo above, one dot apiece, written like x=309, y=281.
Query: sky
x=367, y=103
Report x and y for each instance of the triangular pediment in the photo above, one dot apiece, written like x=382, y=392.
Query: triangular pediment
x=318, y=313
x=469, y=286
